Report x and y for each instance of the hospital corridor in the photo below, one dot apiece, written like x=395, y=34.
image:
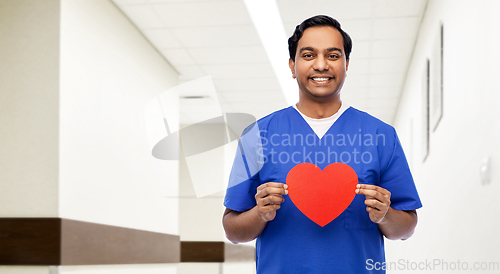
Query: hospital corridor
x=195, y=136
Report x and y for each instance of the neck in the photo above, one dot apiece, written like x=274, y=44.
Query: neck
x=318, y=110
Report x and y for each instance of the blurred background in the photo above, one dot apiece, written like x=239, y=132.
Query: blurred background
x=76, y=75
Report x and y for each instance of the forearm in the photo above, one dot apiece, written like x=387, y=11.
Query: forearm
x=243, y=226
x=398, y=225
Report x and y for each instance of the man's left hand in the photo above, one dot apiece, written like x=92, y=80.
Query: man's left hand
x=378, y=201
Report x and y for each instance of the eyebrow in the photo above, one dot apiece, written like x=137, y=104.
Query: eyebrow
x=312, y=49
x=334, y=49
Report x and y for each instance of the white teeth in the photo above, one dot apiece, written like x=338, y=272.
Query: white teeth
x=320, y=79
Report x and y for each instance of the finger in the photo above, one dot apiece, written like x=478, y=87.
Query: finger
x=372, y=194
x=375, y=213
x=376, y=205
x=270, y=191
x=278, y=195
x=262, y=186
x=374, y=187
x=271, y=184
x=270, y=200
x=269, y=209
x=267, y=189
x=375, y=194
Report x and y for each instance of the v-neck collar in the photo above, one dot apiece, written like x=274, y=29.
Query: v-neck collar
x=308, y=126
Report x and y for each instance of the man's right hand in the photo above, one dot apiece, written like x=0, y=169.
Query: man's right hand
x=247, y=225
x=269, y=198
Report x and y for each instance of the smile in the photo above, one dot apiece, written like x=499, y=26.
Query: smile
x=321, y=79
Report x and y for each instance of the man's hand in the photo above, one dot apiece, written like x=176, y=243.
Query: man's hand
x=246, y=226
x=394, y=224
x=378, y=201
x=269, y=198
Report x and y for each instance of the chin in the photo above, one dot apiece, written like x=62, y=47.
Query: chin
x=324, y=94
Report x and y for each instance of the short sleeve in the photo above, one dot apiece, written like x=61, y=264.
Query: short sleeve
x=396, y=177
x=244, y=176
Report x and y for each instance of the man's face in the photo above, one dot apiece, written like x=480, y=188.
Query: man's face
x=320, y=64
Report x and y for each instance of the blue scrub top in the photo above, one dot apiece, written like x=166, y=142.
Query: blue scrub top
x=292, y=243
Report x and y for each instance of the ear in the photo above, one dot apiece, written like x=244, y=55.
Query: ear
x=291, y=64
x=346, y=65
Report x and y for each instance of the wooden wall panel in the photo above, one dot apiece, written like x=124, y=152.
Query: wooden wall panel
x=30, y=241
x=56, y=241
x=216, y=252
x=89, y=243
x=207, y=252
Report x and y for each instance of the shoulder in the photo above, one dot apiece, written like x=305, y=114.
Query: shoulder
x=263, y=124
x=372, y=123
x=275, y=116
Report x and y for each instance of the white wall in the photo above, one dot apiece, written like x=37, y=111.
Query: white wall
x=200, y=219
x=109, y=72
x=29, y=98
x=75, y=78
x=458, y=220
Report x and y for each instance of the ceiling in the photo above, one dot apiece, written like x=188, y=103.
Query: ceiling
x=217, y=38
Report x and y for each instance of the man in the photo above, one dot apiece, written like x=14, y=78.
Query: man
x=319, y=125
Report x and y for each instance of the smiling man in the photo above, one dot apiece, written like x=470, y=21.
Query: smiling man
x=322, y=130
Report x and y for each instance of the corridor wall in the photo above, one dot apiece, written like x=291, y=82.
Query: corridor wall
x=457, y=225
x=76, y=76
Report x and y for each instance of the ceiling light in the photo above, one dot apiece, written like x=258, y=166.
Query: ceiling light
x=267, y=21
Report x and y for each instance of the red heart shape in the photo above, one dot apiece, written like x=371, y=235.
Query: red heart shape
x=322, y=195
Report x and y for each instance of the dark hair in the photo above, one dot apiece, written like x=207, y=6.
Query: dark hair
x=318, y=20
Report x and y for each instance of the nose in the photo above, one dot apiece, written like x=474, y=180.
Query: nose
x=320, y=63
